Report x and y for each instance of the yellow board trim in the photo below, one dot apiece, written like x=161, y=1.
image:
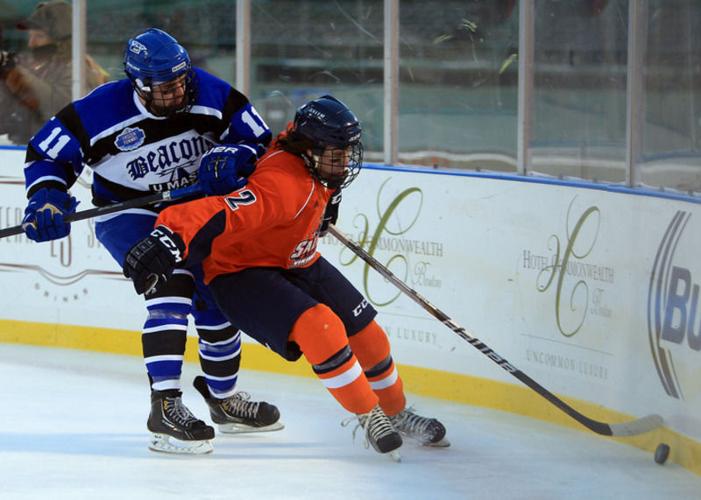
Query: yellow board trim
x=422, y=381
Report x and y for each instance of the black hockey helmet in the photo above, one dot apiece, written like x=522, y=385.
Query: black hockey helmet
x=328, y=123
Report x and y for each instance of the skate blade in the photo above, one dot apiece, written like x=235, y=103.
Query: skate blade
x=168, y=444
x=443, y=443
x=234, y=428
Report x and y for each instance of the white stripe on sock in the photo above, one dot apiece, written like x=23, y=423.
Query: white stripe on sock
x=385, y=382
x=344, y=378
x=221, y=358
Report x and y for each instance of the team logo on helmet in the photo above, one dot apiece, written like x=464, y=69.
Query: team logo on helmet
x=316, y=113
x=137, y=47
x=130, y=139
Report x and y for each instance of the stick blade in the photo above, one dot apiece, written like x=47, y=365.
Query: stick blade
x=638, y=426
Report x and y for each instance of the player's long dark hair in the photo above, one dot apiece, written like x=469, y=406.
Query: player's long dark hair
x=294, y=143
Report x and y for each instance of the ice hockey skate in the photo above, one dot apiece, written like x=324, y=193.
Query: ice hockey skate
x=380, y=433
x=238, y=414
x=427, y=431
x=175, y=429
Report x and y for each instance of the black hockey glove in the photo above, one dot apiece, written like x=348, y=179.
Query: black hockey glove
x=331, y=214
x=150, y=263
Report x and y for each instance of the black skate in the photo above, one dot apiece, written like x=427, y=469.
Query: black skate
x=237, y=414
x=380, y=433
x=428, y=431
x=175, y=429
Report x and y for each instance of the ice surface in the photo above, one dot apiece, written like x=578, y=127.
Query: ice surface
x=73, y=427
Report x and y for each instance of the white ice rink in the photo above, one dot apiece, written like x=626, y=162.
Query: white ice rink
x=73, y=427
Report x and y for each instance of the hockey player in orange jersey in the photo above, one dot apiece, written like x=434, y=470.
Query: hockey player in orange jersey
x=258, y=248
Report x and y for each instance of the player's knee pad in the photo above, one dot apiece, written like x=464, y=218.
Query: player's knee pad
x=320, y=334
x=370, y=345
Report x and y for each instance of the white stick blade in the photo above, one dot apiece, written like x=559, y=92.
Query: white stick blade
x=635, y=427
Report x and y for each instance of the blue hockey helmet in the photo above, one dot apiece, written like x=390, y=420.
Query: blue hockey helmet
x=327, y=123
x=154, y=58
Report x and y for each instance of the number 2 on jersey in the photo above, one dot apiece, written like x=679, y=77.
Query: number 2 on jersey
x=243, y=197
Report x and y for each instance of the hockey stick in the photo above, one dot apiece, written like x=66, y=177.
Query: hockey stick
x=150, y=199
x=632, y=428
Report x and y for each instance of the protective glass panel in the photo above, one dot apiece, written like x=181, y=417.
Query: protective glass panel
x=37, y=82
x=206, y=28
x=35, y=67
x=672, y=96
x=458, y=84
x=579, y=111
x=304, y=49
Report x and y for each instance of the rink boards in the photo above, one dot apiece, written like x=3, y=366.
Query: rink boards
x=592, y=292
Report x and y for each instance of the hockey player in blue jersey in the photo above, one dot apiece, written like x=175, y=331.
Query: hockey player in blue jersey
x=168, y=125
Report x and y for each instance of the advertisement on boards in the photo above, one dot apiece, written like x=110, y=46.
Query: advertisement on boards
x=593, y=294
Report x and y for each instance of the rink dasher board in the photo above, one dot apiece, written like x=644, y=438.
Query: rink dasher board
x=592, y=293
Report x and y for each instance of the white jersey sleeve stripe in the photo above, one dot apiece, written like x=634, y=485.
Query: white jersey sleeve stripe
x=205, y=110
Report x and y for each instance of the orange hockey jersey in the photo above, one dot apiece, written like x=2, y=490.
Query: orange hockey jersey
x=271, y=222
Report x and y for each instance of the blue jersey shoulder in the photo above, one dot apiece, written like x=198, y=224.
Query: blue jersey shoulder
x=106, y=106
x=212, y=91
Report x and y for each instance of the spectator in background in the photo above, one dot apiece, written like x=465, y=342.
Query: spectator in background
x=36, y=84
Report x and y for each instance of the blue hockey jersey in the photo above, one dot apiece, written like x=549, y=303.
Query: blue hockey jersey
x=133, y=152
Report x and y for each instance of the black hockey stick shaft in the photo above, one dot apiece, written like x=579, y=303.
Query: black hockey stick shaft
x=631, y=428
x=143, y=201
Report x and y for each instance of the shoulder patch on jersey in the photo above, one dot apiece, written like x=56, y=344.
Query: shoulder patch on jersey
x=130, y=139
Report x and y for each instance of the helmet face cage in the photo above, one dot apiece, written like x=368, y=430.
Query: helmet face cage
x=335, y=167
x=160, y=71
x=169, y=98
x=333, y=132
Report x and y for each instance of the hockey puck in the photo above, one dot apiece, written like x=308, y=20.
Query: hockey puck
x=661, y=453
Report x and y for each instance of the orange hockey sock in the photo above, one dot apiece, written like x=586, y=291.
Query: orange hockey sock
x=372, y=348
x=322, y=339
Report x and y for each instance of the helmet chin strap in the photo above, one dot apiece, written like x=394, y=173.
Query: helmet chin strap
x=142, y=86
x=312, y=162
x=146, y=100
x=316, y=159
x=144, y=93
